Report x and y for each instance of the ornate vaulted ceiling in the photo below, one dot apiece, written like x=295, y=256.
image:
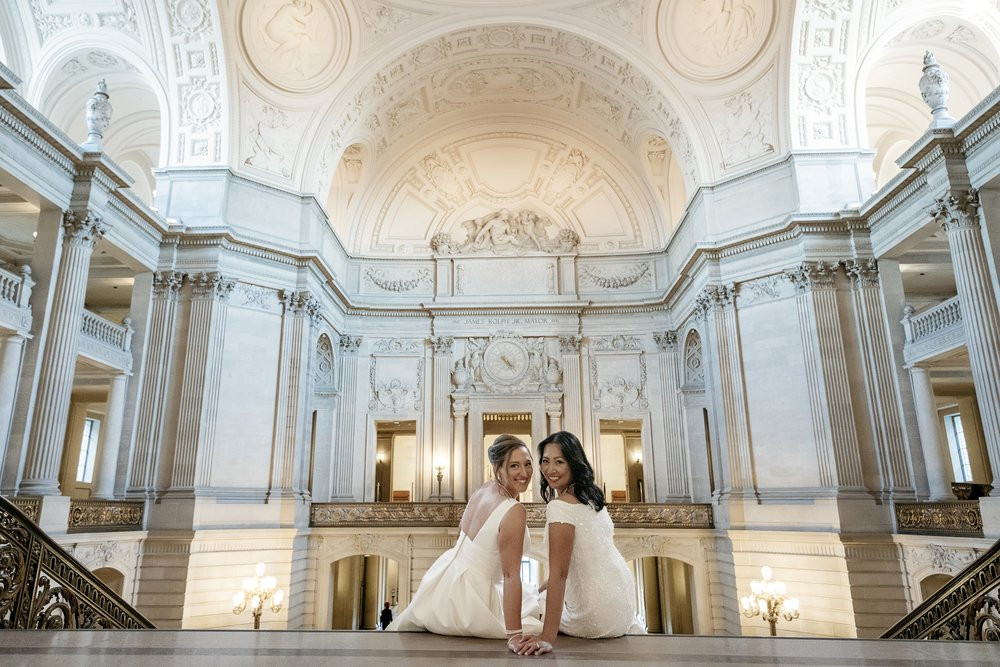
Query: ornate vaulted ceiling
x=407, y=117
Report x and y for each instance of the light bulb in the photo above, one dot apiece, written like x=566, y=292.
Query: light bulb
x=248, y=584
x=278, y=598
x=260, y=569
x=756, y=587
x=762, y=605
x=779, y=587
x=792, y=604
x=765, y=572
x=255, y=602
x=268, y=583
x=745, y=602
x=238, y=599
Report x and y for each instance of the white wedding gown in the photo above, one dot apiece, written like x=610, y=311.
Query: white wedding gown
x=600, y=590
x=461, y=594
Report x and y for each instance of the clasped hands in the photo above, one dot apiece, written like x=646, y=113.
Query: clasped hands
x=528, y=645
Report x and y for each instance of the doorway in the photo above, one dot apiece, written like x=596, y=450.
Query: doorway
x=620, y=460
x=361, y=585
x=664, y=595
x=395, y=461
x=517, y=424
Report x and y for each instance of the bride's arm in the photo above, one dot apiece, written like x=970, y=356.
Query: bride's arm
x=511, y=544
x=561, y=536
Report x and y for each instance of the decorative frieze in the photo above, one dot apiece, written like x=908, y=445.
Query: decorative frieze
x=395, y=395
x=445, y=514
x=350, y=344
x=633, y=275
x=399, y=281
x=102, y=515
x=960, y=517
x=442, y=344
x=410, y=346
x=665, y=340
x=615, y=343
x=507, y=233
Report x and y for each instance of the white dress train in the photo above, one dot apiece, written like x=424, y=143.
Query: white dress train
x=462, y=592
x=600, y=590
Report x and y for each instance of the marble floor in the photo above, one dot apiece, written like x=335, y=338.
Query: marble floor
x=335, y=649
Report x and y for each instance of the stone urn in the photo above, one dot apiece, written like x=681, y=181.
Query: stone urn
x=460, y=376
x=553, y=376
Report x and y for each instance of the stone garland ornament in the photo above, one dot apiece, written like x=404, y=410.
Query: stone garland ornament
x=632, y=275
x=381, y=279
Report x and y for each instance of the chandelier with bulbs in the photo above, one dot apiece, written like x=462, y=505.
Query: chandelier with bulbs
x=256, y=591
x=767, y=599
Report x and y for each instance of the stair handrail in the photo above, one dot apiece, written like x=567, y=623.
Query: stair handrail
x=966, y=608
x=42, y=587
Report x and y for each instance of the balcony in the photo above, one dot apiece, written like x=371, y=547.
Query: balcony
x=106, y=342
x=932, y=332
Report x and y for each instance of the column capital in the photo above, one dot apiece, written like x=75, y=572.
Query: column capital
x=553, y=405
x=85, y=231
x=350, y=344
x=442, y=344
x=570, y=344
x=459, y=406
x=167, y=284
x=212, y=285
x=953, y=212
x=715, y=297
x=300, y=303
x=665, y=340
x=812, y=276
x=862, y=272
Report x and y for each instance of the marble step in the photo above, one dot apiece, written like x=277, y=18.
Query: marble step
x=221, y=648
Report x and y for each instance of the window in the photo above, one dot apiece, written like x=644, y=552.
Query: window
x=88, y=451
x=529, y=571
x=956, y=447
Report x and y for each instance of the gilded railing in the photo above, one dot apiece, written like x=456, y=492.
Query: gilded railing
x=966, y=608
x=625, y=515
x=953, y=517
x=44, y=588
x=105, y=515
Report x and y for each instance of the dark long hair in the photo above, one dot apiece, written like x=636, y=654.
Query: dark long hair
x=584, y=487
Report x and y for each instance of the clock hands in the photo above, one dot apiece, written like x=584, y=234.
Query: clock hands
x=507, y=361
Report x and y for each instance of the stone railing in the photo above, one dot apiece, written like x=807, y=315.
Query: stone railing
x=932, y=331
x=105, y=341
x=44, y=588
x=966, y=608
x=15, y=295
x=956, y=517
x=97, y=516
x=625, y=515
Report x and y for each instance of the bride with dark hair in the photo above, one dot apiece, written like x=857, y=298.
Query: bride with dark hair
x=591, y=592
x=474, y=589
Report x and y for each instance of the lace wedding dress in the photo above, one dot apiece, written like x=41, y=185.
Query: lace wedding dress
x=461, y=594
x=600, y=590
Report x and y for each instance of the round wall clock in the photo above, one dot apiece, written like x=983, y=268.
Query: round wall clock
x=505, y=361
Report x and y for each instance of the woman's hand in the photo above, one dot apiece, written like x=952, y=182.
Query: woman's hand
x=534, y=646
x=516, y=642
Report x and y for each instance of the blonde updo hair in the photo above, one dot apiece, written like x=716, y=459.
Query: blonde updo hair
x=501, y=449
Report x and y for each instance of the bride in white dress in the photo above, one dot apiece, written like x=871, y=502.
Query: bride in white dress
x=590, y=591
x=474, y=589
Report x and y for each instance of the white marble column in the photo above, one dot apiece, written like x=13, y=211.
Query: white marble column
x=980, y=312
x=11, y=350
x=460, y=414
x=441, y=448
x=672, y=464
x=289, y=427
x=55, y=382
x=718, y=306
x=111, y=436
x=155, y=381
x=936, y=457
x=832, y=413
x=345, y=445
x=893, y=463
x=199, y=400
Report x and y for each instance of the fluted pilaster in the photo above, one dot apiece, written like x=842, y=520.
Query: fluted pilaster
x=826, y=374
x=199, y=402
x=55, y=382
x=959, y=217
x=674, y=464
x=569, y=347
x=299, y=309
x=152, y=401
x=880, y=387
x=441, y=452
x=936, y=458
x=11, y=349
x=460, y=415
x=718, y=307
x=344, y=446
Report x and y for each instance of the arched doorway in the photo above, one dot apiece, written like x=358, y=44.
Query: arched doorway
x=360, y=585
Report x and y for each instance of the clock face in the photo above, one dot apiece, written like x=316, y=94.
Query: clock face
x=505, y=361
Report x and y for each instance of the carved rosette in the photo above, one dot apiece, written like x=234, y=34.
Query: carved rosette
x=212, y=285
x=167, y=285
x=862, y=272
x=954, y=213
x=665, y=340
x=86, y=231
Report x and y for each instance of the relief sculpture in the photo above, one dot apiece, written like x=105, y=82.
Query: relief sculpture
x=507, y=233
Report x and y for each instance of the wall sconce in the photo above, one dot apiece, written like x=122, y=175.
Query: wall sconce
x=768, y=600
x=440, y=467
x=638, y=457
x=256, y=591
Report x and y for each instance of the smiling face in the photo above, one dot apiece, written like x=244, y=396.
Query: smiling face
x=516, y=471
x=555, y=468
